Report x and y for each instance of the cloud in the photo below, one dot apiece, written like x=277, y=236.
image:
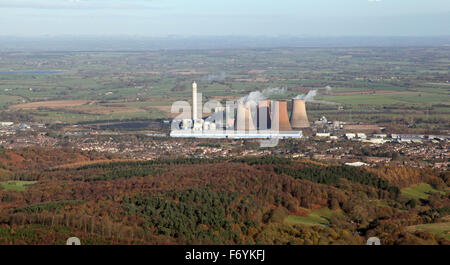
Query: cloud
x=76, y=4
x=374, y=1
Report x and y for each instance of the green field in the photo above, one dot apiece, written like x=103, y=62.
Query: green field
x=441, y=229
x=419, y=191
x=411, y=98
x=314, y=217
x=9, y=100
x=16, y=185
x=374, y=85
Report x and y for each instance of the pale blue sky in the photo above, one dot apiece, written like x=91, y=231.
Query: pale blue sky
x=225, y=17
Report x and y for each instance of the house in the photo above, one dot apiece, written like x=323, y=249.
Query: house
x=376, y=141
x=323, y=134
x=350, y=136
x=356, y=164
x=361, y=136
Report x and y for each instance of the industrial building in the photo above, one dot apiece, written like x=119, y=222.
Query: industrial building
x=230, y=134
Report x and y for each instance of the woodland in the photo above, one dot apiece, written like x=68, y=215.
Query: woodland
x=266, y=200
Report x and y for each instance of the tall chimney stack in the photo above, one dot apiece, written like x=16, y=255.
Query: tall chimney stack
x=299, y=118
x=194, y=101
x=280, y=116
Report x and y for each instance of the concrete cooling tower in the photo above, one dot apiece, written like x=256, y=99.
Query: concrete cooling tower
x=245, y=121
x=264, y=115
x=280, y=116
x=299, y=119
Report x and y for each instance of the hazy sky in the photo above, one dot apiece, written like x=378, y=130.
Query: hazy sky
x=225, y=17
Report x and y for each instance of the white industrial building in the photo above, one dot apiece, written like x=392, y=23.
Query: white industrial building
x=230, y=134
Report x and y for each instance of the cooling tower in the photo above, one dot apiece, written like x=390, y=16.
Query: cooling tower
x=252, y=114
x=244, y=118
x=280, y=116
x=264, y=115
x=240, y=117
x=299, y=119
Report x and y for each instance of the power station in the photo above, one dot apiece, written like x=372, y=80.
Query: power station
x=249, y=119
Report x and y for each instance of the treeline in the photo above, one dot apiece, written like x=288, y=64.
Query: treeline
x=41, y=158
x=47, y=206
x=209, y=145
x=266, y=160
x=330, y=175
x=437, y=213
x=407, y=176
x=169, y=162
x=125, y=173
x=269, y=160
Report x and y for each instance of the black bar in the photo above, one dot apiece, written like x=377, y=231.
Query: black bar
x=130, y=255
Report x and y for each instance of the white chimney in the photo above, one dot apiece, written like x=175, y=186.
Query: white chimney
x=194, y=101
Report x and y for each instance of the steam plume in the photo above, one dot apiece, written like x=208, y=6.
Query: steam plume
x=257, y=96
x=308, y=97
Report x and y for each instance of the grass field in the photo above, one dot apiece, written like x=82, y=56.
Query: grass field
x=403, y=97
x=409, y=83
x=9, y=100
x=314, y=217
x=441, y=229
x=50, y=104
x=16, y=185
x=419, y=191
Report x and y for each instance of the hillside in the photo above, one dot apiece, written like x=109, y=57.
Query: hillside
x=224, y=201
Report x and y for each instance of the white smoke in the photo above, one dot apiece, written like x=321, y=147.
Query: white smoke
x=215, y=77
x=252, y=99
x=270, y=91
x=252, y=96
x=308, y=97
x=257, y=96
x=312, y=93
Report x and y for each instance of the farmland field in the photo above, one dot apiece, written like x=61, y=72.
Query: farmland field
x=419, y=191
x=441, y=229
x=313, y=217
x=51, y=104
x=378, y=85
x=9, y=100
x=16, y=185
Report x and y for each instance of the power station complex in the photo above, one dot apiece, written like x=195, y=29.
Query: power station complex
x=245, y=119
